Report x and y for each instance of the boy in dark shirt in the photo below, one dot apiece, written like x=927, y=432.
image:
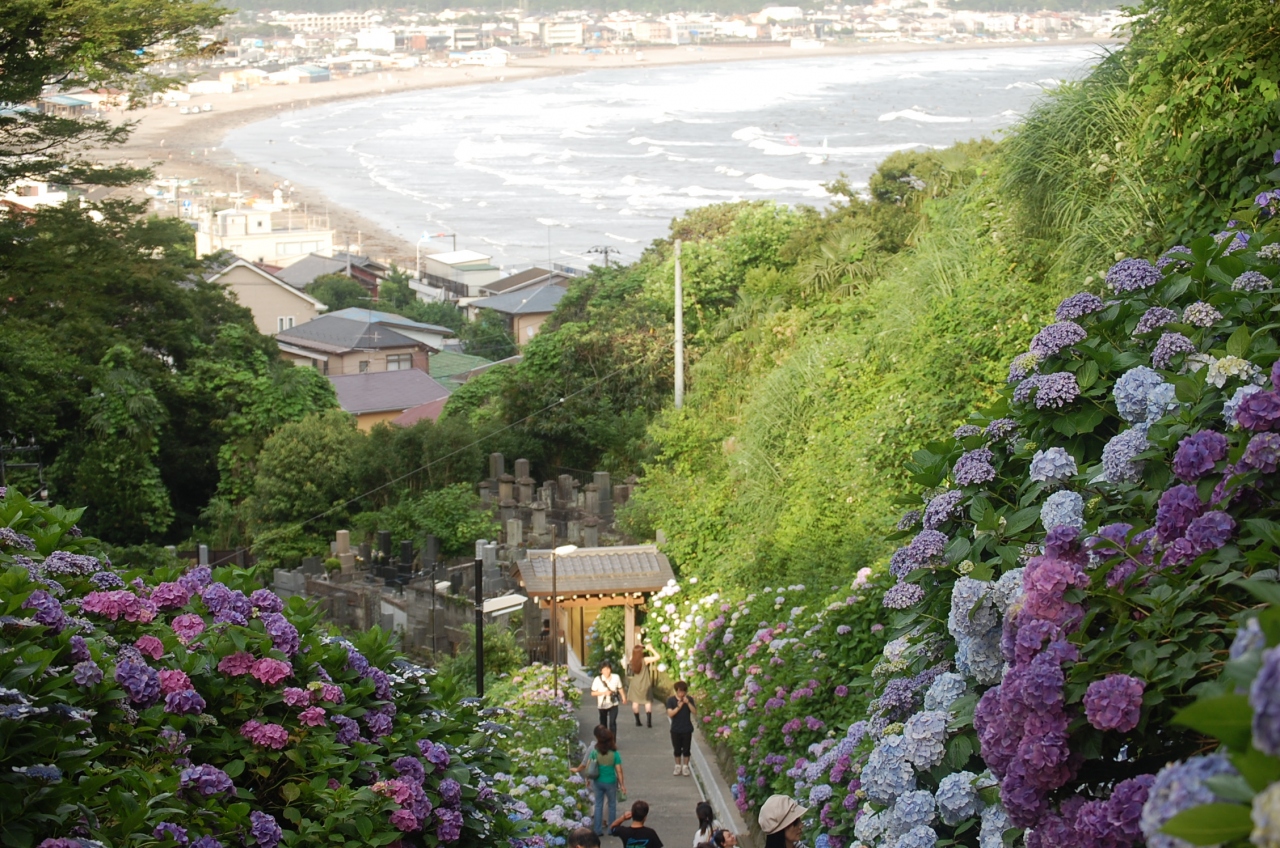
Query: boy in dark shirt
x=636, y=835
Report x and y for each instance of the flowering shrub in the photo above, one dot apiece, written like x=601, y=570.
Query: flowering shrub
x=778, y=679
x=541, y=737
x=192, y=709
x=1089, y=562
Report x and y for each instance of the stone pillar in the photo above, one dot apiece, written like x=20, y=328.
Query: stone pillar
x=629, y=628
x=506, y=487
x=592, y=505
x=548, y=495
x=345, y=556
x=574, y=532
x=524, y=490
x=605, y=489
x=507, y=510
x=539, y=518
x=522, y=468
x=565, y=494
x=497, y=465
x=202, y=555
x=486, y=493
x=480, y=543
x=591, y=532
x=366, y=553
x=489, y=554
x=515, y=532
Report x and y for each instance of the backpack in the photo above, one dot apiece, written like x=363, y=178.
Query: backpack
x=593, y=766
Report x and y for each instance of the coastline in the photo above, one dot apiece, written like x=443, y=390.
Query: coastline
x=188, y=147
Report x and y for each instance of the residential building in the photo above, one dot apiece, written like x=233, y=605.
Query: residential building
x=276, y=305
x=452, y=368
x=365, y=271
x=456, y=275
x=431, y=335
x=525, y=279
x=429, y=411
x=337, y=346
x=253, y=234
x=524, y=309
x=33, y=193
x=336, y=22
x=383, y=396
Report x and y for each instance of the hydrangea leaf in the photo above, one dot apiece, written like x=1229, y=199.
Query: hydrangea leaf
x=1226, y=717
x=1231, y=787
x=1210, y=824
x=1256, y=767
x=1238, y=343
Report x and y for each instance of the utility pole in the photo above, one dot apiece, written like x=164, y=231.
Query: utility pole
x=606, y=251
x=679, y=332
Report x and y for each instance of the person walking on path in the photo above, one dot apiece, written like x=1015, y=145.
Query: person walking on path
x=681, y=709
x=640, y=686
x=608, y=779
x=607, y=687
x=780, y=820
x=637, y=835
x=707, y=824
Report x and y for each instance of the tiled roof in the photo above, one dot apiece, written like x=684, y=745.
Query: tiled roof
x=332, y=334
x=373, y=316
x=431, y=409
x=385, y=391
x=597, y=571
x=447, y=363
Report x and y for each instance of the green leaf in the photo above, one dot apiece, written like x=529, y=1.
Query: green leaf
x=1257, y=768
x=1231, y=787
x=1238, y=344
x=365, y=825
x=1087, y=375
x=1021, y=520
x=1225, y=717
x=1210, y=824
x=234, y=768
x=290, y=791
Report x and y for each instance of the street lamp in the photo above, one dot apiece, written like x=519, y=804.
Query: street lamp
x=453, y=236
x=563, y=550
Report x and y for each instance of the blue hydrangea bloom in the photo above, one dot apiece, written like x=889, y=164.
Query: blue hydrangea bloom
x=1062, y=509
x=819, y=795
x=1132, y=392
x=1008, y=590
x=1178, y=787
x=1162, y=401
x=1118, y=463
x=972, y=613
x=1264, y=697
x=1131, y=275
x=887, y=773
x=979, y=657
x=1052, y=466
x=1248, y=638
x=917, y=837
x=870, y=826
x=958, y=797
x=910, y=810
x=926, y=736
x=995, y=821
x=944, y=691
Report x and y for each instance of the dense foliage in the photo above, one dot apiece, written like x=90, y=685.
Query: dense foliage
x=192, y=708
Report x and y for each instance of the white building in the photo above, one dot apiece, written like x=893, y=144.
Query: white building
x=335, y=22
x=33, y=193
x=254, y=235
x=456, y=275
x=380, y=39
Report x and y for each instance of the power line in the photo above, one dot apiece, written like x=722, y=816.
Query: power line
x=282, y=530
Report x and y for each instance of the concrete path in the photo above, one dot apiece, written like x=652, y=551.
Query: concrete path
x=646, y=764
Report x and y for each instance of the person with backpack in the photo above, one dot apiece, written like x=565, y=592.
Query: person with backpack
x=707, y=824
x=603, y=768
x=607, y=687
x=640, y=682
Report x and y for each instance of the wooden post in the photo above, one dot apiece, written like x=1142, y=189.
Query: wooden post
x=630, y=625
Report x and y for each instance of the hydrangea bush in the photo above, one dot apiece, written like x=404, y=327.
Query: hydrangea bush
x=541, y=738
x=191, y=708
x=778, y=681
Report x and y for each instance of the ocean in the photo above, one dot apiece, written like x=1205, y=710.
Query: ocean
x=548, y=169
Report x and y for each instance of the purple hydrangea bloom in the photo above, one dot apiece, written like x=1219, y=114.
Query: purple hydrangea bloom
x=1022, y=391
x=1232, y=405
x=974, y=467
x=1001, y=429
x=168, y=830
x=1209, y=532
x=266, y=600
x=196, y=578
x=1129, y=275
x=1169, y=346
x=1259, y=411
x=184, y=702
x=284, y=636
x=139, y=681
x=1078, y=305
x=1201, y=314
x=927, y=546
x=1197, y=454
x=943, y=508
x=265, y=829
x=1250, y=637
x=900, y=564
x=1057, y=390
x=228, y=606
x=1022, y=365
x=47, y=610
x=1055, y=337
x=1179, y=254
x=86, y=673
x=411, y=769
x=436, y=754
x=1153, y=319
x=964, y=431
x=1251, y=281
x=79, y=649
x=348, y=730
x=1263, y=452
x=65, y=564
x=450, y=792
x=449, y=828
x=1114, y=702
x=1178, y=506
x=206, y=780
x=170, y=596
x=379, y=725
x=207, y=842
x=356, y=662
x=14, y=539
x=107, y=580
x=909, y=519
x=903, y=595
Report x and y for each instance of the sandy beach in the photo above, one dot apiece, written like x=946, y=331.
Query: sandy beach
x=188, y=147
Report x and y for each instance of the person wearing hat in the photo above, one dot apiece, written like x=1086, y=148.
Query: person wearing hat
x=780, y=820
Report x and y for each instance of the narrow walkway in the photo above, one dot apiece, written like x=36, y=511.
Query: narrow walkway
x=646, y=764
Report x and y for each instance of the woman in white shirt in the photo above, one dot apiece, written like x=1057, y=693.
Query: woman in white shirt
x=607, y=687
x=707, y=824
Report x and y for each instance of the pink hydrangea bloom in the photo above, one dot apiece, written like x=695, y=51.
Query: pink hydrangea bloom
x=404, y=820
x=395, y=789
x=312, y=717
x=266, y=735
x=117, y=604
x=270, y=671
x=172, y=680
x=236, y=664
x=187, y=627
x=150, y=646
x=170, y=596
x=295, y=697
x=332, y=693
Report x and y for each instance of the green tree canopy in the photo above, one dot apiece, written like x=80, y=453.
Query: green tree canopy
x=338, y=291
x=306, y=468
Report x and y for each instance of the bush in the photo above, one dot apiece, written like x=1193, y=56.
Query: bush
x=183, y=706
